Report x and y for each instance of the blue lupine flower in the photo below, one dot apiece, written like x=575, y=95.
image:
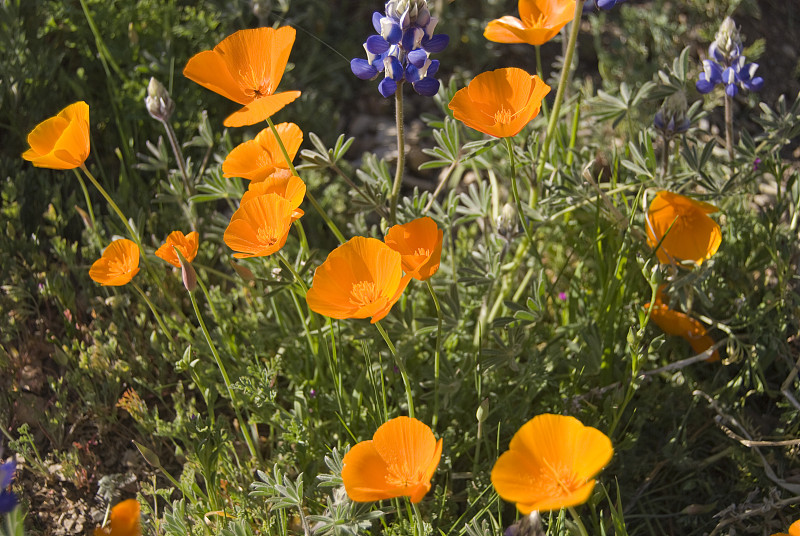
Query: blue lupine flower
x=8, y=501
x=728, y=66
x=608, y=4
x=402, y=48
x=671, y=118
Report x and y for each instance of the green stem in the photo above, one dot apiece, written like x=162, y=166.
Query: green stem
x=88, y=200
x=242, y=424
x=577, y=519
x=152, y=307
x=562, y=84
x=289, y=267
x=419, y=523
x=538, y=49
x=314, y=203
x=402, y=368
x=573, y=137
x=437, y=355
x=522, y=219
x=729, y=126
x=401, y=154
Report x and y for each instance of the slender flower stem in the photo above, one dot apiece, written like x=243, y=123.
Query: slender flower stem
x=242, y=424
x=401, y=366
x=577, y=519
x=538, y=49
x=153, y=310
x=176, y=150
x=88, y=200
x=437, y=355
x=562, y=85
x=419, y=523
x=314, y=203
x=729, y=125
x=294, y=272
x=522, y=219
x=401, y=153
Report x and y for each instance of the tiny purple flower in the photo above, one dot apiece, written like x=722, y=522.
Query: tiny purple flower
x=756, y=164
x=562, y=296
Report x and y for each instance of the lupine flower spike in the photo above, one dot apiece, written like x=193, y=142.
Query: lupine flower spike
x=399, y=461
x=246, y=67
x=539, y=22
x=61, y=142
x=726, y=64
x=8, y=501
x=402, y=48
x=550, y=463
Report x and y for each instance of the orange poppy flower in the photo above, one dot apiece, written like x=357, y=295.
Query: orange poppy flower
x=399, y=461
x=283, y=183
x=690, y=234
x=187, y=245
x=118, y=264
x=550, y=463
x=676, y=323
x=259, y=227
x=500, y=102
x=794, y=530
x=539, y=22
x=124, y=520
x=246, y=67
x=258, y=158
x=419, y=243
x=61, y=142
x=361, y=278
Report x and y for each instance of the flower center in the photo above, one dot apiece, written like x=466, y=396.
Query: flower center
x=537, y=22
x=363, y=293
x=560, y=480
x=253, y=84
x=422, y=252
x=267, y=235
x=503, y=116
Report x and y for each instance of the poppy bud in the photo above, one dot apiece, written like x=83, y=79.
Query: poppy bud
x=158, y=102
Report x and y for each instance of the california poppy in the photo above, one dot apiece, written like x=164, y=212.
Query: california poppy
x=124, y=520
x=246, y=67
x=259, y=227
x=361, y=278
x=419, y=243
x=794, y=530
x=676, y=323
x=500, y=102
x=118, y=264
x=399, y=461
x=61, y=142
x=258, y=158
x=187, y=245
x=550, y=463
x=539, y=22
x=283, y=183
x=683, y=228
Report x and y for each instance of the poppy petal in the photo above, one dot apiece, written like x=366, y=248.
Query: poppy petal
x=260, y=109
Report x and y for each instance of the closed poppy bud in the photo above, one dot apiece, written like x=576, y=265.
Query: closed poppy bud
x=61, y=142
x=118, y=264
x=362, y=278
x=243, y=271
x=399, y=461
x=550, y=463
x=539, y=22
x=682, y=227
x=158, y=102
x=419, y=243
x=500, y=102
x=186, y=244
x=246, y=67
x=188, y=275
x=124, y=520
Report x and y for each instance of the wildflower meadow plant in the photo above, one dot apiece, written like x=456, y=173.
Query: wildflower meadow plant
x=359, y=366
